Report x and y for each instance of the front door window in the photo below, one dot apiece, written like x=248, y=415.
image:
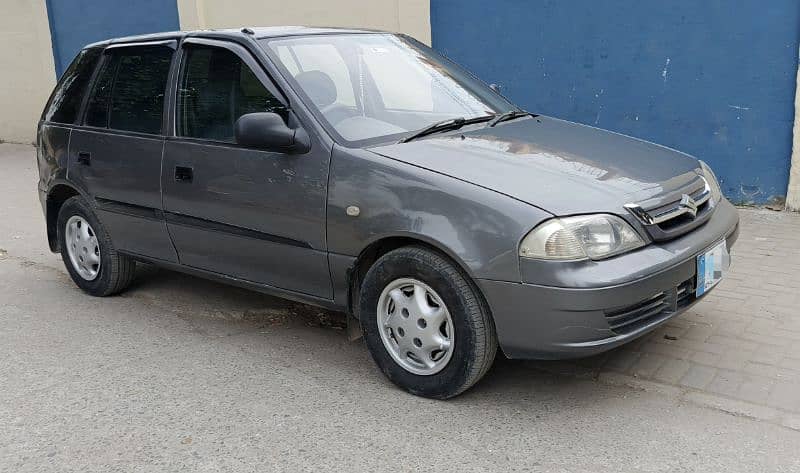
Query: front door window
x=217, y=88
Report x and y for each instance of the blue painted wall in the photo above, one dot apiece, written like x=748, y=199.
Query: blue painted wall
x=75, y=23
x=713, y=78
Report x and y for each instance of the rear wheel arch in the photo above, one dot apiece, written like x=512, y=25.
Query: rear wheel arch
x=88, y=253
x=56, y=197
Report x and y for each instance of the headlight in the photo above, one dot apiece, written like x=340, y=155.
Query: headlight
x=585, y=236
x=713, y=183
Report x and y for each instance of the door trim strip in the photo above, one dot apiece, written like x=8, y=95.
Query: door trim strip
x=150, y=213
x=132, y=210
x=210, y=225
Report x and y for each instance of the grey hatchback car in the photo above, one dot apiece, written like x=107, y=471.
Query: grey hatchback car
x=363, y=172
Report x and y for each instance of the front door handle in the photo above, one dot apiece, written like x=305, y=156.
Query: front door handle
x=183, y=174
x=84, y=158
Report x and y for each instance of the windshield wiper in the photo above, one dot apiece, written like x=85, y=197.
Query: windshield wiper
x=445, y=125
x=509, y=115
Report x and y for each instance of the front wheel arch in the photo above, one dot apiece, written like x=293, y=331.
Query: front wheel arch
x=476, y=343
x=372, y=252
x=379, y=247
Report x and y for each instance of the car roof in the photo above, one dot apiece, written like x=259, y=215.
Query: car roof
x=258, y=32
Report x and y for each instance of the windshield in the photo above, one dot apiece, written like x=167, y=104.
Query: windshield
x=377, y=87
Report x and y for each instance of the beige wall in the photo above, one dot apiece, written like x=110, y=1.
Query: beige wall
x=27, y=72
x=793, y=194
x=402, y=16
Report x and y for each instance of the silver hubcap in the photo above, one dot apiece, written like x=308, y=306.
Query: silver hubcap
x=415, y=326
x=82, y=247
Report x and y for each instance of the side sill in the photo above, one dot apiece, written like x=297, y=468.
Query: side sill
x=243, y=283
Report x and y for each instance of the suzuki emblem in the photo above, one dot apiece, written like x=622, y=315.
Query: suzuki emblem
x=689, y=204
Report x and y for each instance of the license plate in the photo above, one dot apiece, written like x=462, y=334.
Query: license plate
x=712, y=267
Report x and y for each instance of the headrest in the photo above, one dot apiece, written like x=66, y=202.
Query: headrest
x=318, y=86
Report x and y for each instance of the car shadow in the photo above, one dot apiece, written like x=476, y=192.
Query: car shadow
x=509, y=380
x=222, y=301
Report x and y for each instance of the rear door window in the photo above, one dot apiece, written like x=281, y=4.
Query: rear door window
x=137, y=96
x=65, y=103
x=99, y=100
x=128, y=93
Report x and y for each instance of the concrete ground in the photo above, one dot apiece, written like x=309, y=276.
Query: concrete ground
x=182, y=374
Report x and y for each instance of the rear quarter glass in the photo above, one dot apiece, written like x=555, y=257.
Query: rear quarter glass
x=65, y=102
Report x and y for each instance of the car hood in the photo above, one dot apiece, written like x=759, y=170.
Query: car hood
x=559, y=166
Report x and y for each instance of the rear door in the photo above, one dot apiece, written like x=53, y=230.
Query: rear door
x=252, y=214
x=115, y=156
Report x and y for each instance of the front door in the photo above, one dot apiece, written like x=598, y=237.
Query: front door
x=254, y=215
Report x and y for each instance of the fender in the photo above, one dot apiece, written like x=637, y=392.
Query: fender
x=478, y=228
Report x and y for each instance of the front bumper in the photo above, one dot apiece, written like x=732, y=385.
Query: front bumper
x=568, y=310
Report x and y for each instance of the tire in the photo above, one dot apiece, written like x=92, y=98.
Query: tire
x=472, y=341
x=112, y=273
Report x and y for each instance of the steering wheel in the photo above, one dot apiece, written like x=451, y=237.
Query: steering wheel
x=328, y=108
x=335, y=112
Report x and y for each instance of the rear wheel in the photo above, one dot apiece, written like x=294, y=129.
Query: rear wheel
x=425, y=323
x=88, y=253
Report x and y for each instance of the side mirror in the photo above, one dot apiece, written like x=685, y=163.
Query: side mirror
x=268, y=131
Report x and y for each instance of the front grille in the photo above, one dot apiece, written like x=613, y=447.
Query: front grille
x=669, y=216
x=630, y=318
x=674, y=218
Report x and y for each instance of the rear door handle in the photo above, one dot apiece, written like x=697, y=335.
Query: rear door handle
x=183, y=174
x=84, y=158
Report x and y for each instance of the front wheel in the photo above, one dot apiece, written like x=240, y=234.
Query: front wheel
x=425, y=324
x=88, y=252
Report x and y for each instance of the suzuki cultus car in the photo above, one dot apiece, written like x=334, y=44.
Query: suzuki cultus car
x=361, y=171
